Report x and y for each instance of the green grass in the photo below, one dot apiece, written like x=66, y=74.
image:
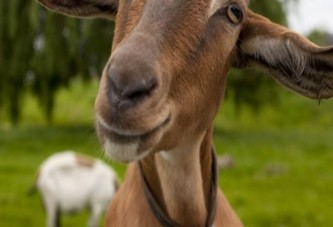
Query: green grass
x=284, y=156
x=297, y=192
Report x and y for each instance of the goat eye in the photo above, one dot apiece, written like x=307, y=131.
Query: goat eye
x=234, y=13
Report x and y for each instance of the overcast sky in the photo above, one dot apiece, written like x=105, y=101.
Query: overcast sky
x=310, y=14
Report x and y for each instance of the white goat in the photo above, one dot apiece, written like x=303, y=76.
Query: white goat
x=69, y=182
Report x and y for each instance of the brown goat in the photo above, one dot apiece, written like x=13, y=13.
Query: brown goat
x=162, y=87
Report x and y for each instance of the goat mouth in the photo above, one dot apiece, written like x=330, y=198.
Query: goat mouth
x=124, y=137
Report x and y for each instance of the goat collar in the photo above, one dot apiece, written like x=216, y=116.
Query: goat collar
x=163, y=218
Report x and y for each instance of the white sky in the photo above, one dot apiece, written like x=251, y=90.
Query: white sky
x=310, y=14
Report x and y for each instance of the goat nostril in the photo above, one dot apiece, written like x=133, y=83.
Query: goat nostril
x=125, y=89
x=141, y=89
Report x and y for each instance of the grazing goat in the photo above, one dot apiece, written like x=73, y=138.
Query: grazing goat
x=69, y=182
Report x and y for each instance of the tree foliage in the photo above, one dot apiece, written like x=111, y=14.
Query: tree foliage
x=41, y=52
x=321, y=37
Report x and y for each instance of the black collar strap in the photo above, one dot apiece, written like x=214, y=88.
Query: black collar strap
x=164, y=220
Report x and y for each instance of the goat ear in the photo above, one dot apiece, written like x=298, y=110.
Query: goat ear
x=83, y=8
x=292, y=60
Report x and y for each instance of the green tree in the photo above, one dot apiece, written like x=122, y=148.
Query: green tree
x=320, y=37
x=15, y=51
x=41, y=52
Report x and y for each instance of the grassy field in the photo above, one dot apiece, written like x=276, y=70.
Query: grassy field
x=284, y=159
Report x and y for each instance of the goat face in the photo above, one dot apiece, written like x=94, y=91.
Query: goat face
x=166, y=76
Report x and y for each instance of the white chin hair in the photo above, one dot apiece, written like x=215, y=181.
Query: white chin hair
x=123, y=152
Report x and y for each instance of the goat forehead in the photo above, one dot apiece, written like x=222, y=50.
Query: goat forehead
x=168, y=14
x=177, y=24
x=156, y=18
x=177, y=8
x=170, y=5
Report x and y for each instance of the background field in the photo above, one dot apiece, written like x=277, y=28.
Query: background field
x=283, y=174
